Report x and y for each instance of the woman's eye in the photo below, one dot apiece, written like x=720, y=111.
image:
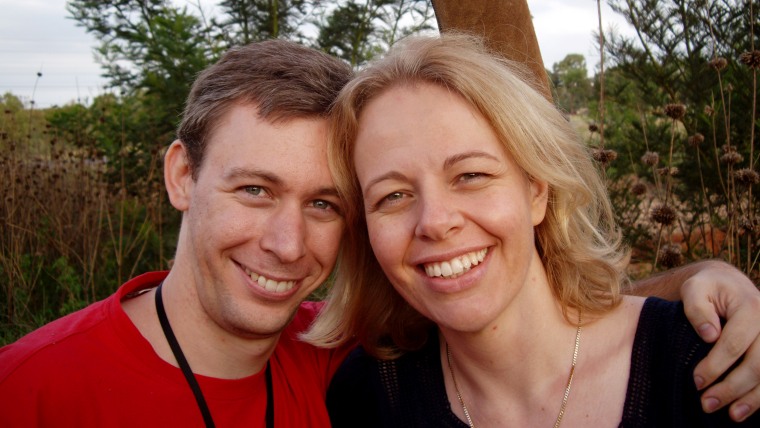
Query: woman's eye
x=471, y=176
x=389, y=200
x=394, y=196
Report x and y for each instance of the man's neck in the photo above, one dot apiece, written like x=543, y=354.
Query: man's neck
x=209, y=349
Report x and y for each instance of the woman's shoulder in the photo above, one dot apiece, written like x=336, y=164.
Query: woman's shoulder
x=661, y=390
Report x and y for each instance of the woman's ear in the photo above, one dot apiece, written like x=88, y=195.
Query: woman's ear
x=178, y=176
x=539, y=191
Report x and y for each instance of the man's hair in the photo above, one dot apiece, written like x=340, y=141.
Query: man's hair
x=578, y=241
x=283, y=79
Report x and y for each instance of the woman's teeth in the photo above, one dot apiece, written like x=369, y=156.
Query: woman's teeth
x=456, y=266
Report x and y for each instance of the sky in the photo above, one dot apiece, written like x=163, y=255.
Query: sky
x=36, y=36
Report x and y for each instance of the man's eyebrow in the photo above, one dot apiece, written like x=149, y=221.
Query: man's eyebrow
x=451, y=160
x=238, y=172
x=327, y=191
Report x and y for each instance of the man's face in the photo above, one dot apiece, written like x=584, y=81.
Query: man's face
x=263, y=221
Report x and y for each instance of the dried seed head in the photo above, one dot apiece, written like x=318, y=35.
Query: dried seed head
x=639, y=189
x=650, y=158
x=696, y=139
x=747, y=225
x=731, y=158
x=709, y=111
x=604, y=156
x=663, y=214
x=751, y=59
x=672, y=171
x=675, y=111
x=718, y=63
x=746, y=176
x=670, y=256
x=592, y=127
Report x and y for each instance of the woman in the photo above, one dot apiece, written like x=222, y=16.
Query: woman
x=502, y=261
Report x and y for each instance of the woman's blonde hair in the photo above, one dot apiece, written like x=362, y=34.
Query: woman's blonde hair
x=578, y=240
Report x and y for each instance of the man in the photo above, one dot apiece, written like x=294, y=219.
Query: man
x=214, y=340
x=260, y=231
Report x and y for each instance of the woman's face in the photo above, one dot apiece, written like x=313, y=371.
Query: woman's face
x=450, y=215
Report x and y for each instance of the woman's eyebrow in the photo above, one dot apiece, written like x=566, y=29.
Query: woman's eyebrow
x=390, y=175
x=451, y=160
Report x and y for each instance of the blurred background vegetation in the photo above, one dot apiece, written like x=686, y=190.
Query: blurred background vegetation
x=671, y=119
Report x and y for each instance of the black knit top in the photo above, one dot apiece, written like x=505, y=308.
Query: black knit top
x=410, y=391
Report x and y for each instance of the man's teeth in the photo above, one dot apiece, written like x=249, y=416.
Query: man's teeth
x=270, y=284
x=456, y=266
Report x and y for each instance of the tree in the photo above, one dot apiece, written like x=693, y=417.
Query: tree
x=151, y=47
x=245, y=21
x=571, y=82
x=357, y=31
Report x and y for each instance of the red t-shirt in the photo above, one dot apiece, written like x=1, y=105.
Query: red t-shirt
x=93, y=368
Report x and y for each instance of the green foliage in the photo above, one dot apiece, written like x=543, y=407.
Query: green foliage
x=357, y=31
x=686, y=52
x=11, y=103
x=246, y=21
x=74, y=225
x=149, y=49
x=571, y=83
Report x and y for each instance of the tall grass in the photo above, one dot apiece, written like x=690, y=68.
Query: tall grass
x=74, y=225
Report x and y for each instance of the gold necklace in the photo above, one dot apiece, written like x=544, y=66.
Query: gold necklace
x=564, y=397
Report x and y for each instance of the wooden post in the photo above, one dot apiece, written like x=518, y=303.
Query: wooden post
x=506, y=26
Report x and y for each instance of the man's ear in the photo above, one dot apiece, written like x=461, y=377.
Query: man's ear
x=178, y=176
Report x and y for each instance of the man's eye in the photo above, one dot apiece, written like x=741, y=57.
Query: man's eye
x=322, y=205
x=254, y=190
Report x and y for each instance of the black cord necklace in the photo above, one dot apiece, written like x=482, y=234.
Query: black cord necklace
x=190, y=377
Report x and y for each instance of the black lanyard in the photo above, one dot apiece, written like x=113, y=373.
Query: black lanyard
x=190, y=377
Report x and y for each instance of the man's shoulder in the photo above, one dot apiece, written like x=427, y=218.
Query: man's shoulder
x=55, y=334
x=305, y=315
x=65, y=335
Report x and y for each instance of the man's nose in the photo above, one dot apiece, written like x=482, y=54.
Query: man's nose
x=285, y=234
